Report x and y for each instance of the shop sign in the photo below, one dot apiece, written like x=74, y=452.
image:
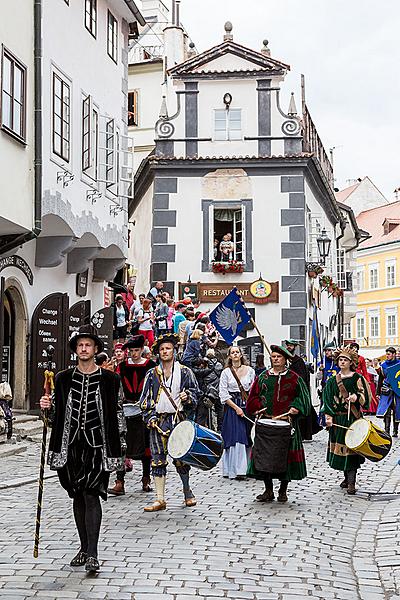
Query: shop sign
x=258, y=292
x=18, y=263
x=103, y=321
x=79, y=314
x=188, y=290
x=82, y=283
x=49, y=328
x=5, y=364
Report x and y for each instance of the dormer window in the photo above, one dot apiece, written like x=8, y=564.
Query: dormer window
x=389, y=225
x=228, y=124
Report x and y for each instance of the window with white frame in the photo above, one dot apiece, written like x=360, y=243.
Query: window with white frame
x=61, y=117
x=373, y=277
x=341, y=268
x=373, y=324
x=391, y=322
x=13, y=95
x=228, y=124
x=91, y=16
x=112, y=37
x=359, y=279
x=228, y=239
x=347, y=331
x=390, y=273
x=360, y=326
x=90, y=138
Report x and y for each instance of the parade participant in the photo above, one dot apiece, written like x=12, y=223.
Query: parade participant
x=280, y=391
x=121, y=319
x=343, y=397
x=328, y=367
x=87, y=438
x=133, y=372
x=169, y=395
x=118, y=355
x=361, y=366
x=309, y=424
x=389, y=402
x=234, y=384
x=373, y=382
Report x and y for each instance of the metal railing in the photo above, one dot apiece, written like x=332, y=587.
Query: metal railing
x=312, y=143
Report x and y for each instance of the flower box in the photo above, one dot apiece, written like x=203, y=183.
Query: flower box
x=233, y=266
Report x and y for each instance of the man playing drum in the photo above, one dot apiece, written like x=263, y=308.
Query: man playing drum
x=275, y=392
x=343, y=396
x=170, y=394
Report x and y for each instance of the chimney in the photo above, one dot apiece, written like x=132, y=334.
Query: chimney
x=174, y=39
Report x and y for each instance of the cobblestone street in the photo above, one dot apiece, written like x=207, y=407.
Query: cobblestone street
x=322, y=544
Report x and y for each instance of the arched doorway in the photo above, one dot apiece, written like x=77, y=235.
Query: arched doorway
x=15, y=329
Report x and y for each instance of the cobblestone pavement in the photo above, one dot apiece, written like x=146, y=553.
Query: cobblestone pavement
x=322, y=544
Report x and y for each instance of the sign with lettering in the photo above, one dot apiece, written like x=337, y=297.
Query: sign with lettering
x=188, y=290
x=49, y=328
x=18, y=263
x=250, y=292
x=6, y=364
x=251, y=347
x=79, y=314
x=82, y=283
x=103, y=321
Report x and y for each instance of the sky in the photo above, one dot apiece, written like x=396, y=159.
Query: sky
x=349, y=52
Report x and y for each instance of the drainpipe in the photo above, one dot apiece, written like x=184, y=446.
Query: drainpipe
x=38, y=160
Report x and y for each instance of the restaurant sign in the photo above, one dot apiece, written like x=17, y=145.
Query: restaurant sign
x=258, y=292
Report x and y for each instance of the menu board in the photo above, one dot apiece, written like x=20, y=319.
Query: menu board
x=49, y=336
x=251, y=347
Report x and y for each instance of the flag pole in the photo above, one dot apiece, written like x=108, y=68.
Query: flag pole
x=252, y=321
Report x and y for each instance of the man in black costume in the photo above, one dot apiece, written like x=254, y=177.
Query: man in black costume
x=133, y=371
x=308, y=425
x=87, y=438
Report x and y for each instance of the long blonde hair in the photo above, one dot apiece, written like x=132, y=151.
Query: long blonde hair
x=197, y=334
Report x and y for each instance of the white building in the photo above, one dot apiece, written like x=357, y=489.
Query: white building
x=83, y=178
x=231, y=160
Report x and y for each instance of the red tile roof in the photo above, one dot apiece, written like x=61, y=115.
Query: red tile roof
x=344, y=194
x=372, y=221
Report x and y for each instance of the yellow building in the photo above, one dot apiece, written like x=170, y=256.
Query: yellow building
x=377, y=281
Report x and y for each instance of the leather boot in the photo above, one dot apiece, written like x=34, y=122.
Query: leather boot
x=344, y=483
x=351, y=482
x=282, y=495
x=118, y=489
x=268, y=494
x=146, y=484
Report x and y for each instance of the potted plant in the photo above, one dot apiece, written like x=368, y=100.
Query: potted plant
x=314, y=269
x=232, y=266
x=325, y=282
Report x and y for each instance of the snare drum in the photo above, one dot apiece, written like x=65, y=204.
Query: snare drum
x=271, y=445
x=195, y=445
x=368, y=440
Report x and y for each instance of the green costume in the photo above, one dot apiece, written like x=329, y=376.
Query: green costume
x=335, y=405
x=279, y=393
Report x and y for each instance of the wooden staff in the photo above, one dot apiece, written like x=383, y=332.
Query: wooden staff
x=48, y=389
x=252, y=321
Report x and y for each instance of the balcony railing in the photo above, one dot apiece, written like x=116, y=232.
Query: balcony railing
x=312, y=143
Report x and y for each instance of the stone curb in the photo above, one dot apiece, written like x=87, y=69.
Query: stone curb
x=25, y=481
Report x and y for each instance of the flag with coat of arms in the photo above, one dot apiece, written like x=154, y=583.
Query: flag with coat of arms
x=230, y=316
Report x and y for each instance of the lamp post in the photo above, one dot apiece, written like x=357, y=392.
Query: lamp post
x=324, y=245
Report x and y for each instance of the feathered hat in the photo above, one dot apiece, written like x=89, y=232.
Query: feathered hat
x=347, y=352
x=171, y=338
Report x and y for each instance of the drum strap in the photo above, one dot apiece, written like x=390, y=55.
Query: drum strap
x=345, y=394
x=243, y=392
x=166, y=390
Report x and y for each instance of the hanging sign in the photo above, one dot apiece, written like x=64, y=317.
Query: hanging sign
x=18, y=263
x=258, y=292
x=103, y=320
x=79, y=314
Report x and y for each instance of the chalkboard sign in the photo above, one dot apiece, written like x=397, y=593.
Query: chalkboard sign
x=79, y=314
x=103, y=320
x=49, y=328
x=250, y=347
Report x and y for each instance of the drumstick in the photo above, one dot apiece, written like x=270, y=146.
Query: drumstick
x=281, y=416
x=348, y=411
x=341, y=426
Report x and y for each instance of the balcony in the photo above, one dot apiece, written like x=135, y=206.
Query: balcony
x=312, y=143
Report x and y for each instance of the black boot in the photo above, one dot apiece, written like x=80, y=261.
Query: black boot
x=268, y=494
x=282, y=495
x=345, y=482
x=351, y=482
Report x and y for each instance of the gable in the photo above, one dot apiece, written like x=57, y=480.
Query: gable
x=227, y=62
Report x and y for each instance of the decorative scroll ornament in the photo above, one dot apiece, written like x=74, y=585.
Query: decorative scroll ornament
x=164, y=129
x=291, y=127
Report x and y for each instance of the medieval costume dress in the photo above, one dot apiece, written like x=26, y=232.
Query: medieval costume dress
x=234, y=429
x=86, y=444
x=277, y=394
x=137, y=435
x=162, y=410
x=335, y=405
x=389, y=402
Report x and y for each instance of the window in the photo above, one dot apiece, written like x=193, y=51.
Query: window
x=133, y=108
x=61, y=117
x=112, y=37
x=391, y=322
x=91, y=16
x=341, y=269
x=359, y=280
x=373, y=277
x=360, y=327
x=13, y=102
x=390, y=273
x=347, y=331
x=90, y=138
x=111, y=153
x=228, y=124
x=374, y=325
x=228, y=235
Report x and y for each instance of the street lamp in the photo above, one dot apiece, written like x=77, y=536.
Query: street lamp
x=324, y=245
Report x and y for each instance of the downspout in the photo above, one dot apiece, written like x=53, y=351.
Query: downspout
x=38, y=160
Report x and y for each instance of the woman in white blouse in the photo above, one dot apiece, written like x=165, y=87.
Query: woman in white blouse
x=235, y=429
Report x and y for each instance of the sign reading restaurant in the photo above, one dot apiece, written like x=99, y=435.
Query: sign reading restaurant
x=257, y=292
